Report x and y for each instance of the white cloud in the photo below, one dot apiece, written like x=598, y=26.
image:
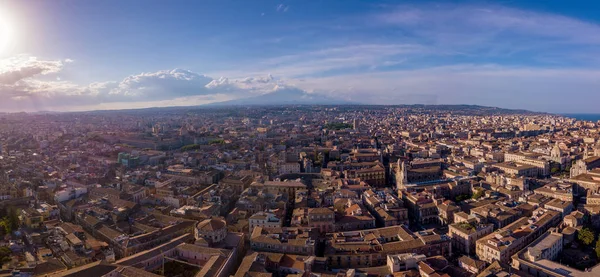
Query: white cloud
x=15, y=69
x=175, y=87
x=249, y=85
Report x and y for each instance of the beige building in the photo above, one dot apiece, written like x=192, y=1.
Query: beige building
x=558, y=190
x=421, y=207
x=374, y=176
x=574, y=219
x=564, y=207
x=464, y=235
x=264, y=220
x=211, y=230
x=538, y=259
x=289, y=240
x=518, y=169
x=287, y=187
x=497, y=214
x=404, y=262
x=369, y=248
x=532, y=159
x=502, y=244
x=238, y=184
x=321, y=218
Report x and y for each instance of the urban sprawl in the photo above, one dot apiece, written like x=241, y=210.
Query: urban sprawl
x=299, y=191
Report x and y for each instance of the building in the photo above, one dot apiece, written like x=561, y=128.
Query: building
x=505, y=242
x=276, y=187
x=355, y=217
x=497, y=214
x=586, y=182
x=387, y=209
x=404, y=262
x=546, y=249
x=264, y=220
x=558, y=190
x=210, y=261
x=446, y=212
x=470, y=264
x=238, y=184
x=585, y=165
x=374, y=176
x=564, y=207
x=538, y=259
x=323, y=219
x=417, y=172
x=290, y=240
x=212, y=230
x=465, y=234
x=421, y=206
x=532, y=159
x=575, y=219
x=287, y=168
x=31, y=218
x=368, y=248
x=518, y=169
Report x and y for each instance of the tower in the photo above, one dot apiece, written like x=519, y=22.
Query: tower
x=355, y=124
x=556, y=152
x=556, y=155
x=401, y=179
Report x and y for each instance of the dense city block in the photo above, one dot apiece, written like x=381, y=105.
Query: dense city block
x=305, y=191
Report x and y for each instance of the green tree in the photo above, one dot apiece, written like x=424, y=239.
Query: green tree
x=190, y=147
x=10, y=220
x=478, y=194
x=598, y=248
x=586, y=236
x=462, y=197
x=4, y=255
x=4, y=227
x=13, y=218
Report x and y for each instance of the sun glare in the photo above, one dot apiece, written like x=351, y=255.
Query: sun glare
x=6, y=33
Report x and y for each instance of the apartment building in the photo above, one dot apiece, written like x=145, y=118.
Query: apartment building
x=503, y=243
x=465, y=234
x=368, y=248
x=497, y=214
x=289, y=240
x=558, y=190
x=264, y=220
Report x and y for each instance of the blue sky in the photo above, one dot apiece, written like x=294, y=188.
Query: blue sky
x=80, y=55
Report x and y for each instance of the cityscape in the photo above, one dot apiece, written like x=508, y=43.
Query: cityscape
x=297, y=190
x=299, y=138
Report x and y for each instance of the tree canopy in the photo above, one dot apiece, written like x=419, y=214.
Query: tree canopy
x=586, y=236
x=478, y=194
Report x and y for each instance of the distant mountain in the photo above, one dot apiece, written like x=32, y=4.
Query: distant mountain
x=284, y=96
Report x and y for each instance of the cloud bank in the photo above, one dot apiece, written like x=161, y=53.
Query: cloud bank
x=21, y=91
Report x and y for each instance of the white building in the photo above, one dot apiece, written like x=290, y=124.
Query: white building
x=403, y=262
x=264, y=220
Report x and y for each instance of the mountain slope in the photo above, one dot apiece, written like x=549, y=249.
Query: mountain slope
x=284, y=96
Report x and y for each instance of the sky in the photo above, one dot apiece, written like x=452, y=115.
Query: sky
x=121, y=54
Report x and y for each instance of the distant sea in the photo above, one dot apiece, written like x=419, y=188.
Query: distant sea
x=584, y=116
